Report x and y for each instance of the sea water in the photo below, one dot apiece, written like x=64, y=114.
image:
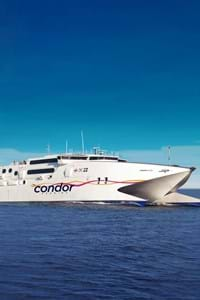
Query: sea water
x=59, y=251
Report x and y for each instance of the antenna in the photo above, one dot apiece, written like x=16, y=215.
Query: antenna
x=169, y=154
x=48, y=148
x=66, y=146
x=82, y=141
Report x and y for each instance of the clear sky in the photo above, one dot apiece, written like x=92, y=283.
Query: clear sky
x=127, y=73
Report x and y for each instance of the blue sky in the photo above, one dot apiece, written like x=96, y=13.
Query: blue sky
x=127, y=73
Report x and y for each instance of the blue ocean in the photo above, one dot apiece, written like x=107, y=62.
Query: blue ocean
x=77, y=252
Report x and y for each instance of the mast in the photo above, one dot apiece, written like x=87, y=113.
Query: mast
x=48, y=148
x=66, y=146
x=82, y=142
x=169, y=154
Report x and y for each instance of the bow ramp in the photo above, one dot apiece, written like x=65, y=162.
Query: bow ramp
x=162, y=190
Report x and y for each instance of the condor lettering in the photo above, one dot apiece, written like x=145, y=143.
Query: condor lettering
x=61, y=187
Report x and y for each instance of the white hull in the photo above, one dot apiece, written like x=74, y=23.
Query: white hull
x=92, y=181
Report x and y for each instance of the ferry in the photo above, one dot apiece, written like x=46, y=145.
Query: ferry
x=96, y=177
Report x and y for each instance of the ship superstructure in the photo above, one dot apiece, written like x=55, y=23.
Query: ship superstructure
x=95, y=177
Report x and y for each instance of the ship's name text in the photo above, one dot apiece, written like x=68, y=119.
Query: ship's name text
x=61, y=187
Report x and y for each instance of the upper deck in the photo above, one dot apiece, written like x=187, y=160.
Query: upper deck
x=47, y=164
x=64, y=158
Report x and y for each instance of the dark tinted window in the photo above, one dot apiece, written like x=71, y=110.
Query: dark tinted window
x=15, y=173
x=4, y=171
x=73, y=157
x=44, y=161
x=10, y=170
x=78, y=157
x=103, y=157
x=40, y=171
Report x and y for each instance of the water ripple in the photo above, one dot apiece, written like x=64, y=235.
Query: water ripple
x=99, y=252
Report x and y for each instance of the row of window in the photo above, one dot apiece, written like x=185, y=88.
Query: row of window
x=9, y=171
x=73, y=157
x=44, y=161
x=30, y=172
x=40, y=171
x=103, y=157
x=55, y=160
x=85, y=157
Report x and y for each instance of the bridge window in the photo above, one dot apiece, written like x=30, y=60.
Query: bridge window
x=73, y=157
x=103, y=157
x=78, y=157
x=44, y=161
